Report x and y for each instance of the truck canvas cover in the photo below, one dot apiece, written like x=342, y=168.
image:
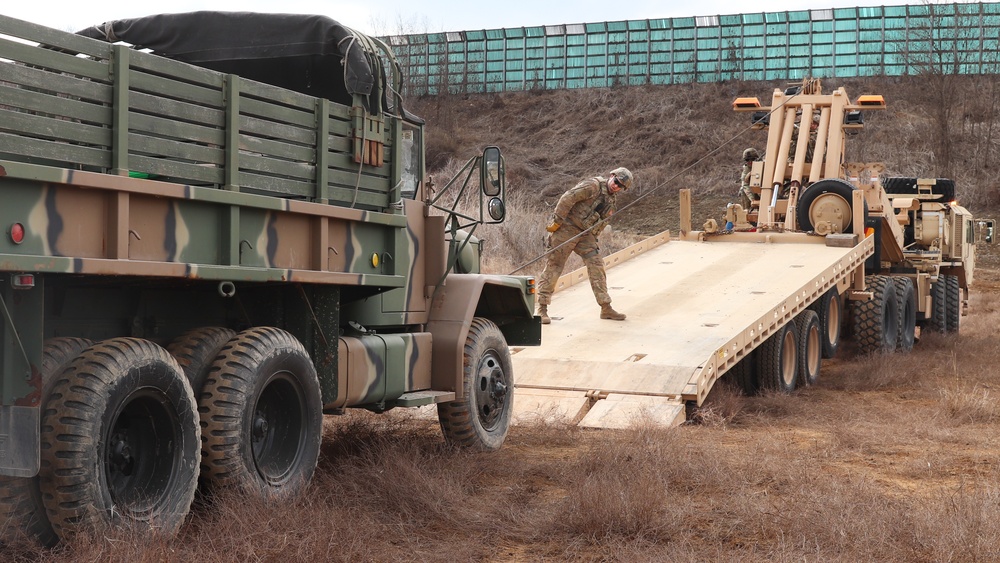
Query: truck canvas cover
x=305, y=53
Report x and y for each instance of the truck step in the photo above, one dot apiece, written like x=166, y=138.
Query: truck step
x=421, y=398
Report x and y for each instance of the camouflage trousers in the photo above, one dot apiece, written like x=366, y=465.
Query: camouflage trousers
x=586, y=248
x=747, y=197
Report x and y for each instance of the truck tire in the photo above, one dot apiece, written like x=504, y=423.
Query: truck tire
x=828, y=198
x=745, y=374
x=777, y=360
x=939, y=306
x=876, y=321
x=21, y=508
x=952, y=303
x=810, y=341
x=196, y=349
x=907, y=305
x=481, y=419
x=120, y=441
x=830, y=311
x=261, y=415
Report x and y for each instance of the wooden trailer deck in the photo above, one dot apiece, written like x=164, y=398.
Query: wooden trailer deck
x=694, y=308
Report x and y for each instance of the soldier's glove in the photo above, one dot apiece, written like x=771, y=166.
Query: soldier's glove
x=554, y=224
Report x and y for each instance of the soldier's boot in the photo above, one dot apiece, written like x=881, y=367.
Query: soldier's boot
x=543, y=311
x=608, y=313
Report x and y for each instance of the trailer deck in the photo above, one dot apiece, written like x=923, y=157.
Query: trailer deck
x=695, y=308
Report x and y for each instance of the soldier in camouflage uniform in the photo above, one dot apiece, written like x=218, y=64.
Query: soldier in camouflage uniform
x=747, y=196
x=587, y=205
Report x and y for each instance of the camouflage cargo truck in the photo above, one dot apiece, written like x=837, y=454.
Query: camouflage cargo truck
x=217, y=228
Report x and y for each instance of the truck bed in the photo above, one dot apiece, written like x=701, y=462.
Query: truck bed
x=695, y=308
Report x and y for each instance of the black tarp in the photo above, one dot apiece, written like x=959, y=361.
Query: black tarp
x=304, y=53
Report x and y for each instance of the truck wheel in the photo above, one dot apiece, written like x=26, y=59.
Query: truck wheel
x=952, y=303
x=829, y=309
x=810, y=353
x=827, y=201
x=120, y=441
x=907, y=305
x=196, y=349
x=876, y=321
x=481, y=419
x=777, y=359
x=261, y=415
x=939, y=307
x=21, y=508
x=745, y=374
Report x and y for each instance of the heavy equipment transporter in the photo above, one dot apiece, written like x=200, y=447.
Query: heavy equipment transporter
x=765, y=293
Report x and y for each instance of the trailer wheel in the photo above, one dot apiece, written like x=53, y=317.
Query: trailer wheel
x=481, y=419
x=261, y=415
x=777, y=360
x=810, y=353
x=830, y=311
x=21, y=508
x=827, y=201
x=953, y=303
x=876, y=321
x=939, y=297
x=196, y=349
x=119, y=441
x=907, y=305
x=745, y=374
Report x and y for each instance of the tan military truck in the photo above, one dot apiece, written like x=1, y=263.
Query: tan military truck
x=762, y=294
x=217, y=228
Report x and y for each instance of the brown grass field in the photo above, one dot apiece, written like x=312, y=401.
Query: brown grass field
x=888, y=458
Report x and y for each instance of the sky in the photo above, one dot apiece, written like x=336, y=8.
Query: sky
x=392, y=17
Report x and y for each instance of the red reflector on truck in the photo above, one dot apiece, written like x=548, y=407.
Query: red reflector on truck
x=17, y=233
x=22, y=281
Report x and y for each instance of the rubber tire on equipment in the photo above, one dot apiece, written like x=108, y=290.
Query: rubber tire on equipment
x=829, y=189
x=480, y=420
x=196, y=349
x=261, y=415
x=876, y=321
x=830, y=311
x=938, y=321
x=777, y=360
x=21, y=508
x=953, y=304
x=810, y=342
x=120, y=441
x=745, y=374
x=906, y=302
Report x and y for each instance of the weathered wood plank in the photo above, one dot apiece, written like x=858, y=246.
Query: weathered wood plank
x=172, y=170
x=56, y=83
x=54, y=129
x=175, y=109
x=54, y=105
x=166, y=127
x=71, y=155
x=175, y=89
x=48, y=36
x=171, y=149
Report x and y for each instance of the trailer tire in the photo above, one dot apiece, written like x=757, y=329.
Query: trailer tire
x=21, y=507
x=939, y=307
x=196, y=349
x=953, y=303
x=261, y=415
x=120, y=441
x=906, y=302
x=810, y=341
x=777, y=360
x=831, y=314
x=831, y=196
x=481, y=419
x=745, y=374
x=876, y=321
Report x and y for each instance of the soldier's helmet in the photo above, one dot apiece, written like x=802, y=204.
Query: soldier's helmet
x=751, y=154
x=624, y=177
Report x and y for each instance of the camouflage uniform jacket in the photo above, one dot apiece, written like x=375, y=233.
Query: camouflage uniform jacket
x=586, y=204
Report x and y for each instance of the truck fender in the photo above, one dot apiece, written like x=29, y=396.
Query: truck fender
x=456, y=302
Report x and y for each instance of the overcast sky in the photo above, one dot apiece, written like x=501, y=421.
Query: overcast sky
x=388, y=17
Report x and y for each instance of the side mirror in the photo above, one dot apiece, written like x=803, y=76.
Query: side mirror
x=989, y=232
x=491, y=172
x=496, y=209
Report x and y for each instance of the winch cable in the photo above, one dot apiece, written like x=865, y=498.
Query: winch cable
x=662, y=184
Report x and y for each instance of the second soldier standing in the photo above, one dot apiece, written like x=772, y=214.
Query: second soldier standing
x=589, y=203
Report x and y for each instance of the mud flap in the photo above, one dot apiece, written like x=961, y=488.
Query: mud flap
x=19, y=438
x=622, y=411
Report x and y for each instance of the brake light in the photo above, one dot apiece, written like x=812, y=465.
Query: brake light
x=22, y=281
x=17, y=233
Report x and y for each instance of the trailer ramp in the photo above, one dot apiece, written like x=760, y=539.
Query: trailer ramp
x=695, y=308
